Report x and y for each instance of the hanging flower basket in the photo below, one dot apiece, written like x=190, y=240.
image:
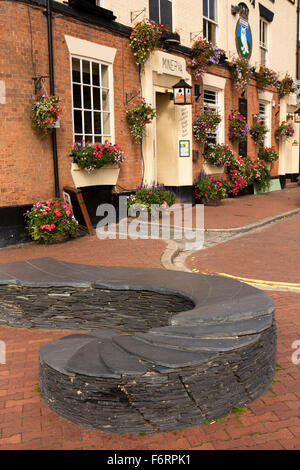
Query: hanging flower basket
x=144, y=39
x=241, y=74
x=45, y=113
x=204, y=53
x=268, y=154
x=138, y=116
x=286, y=86
x=238, y=127
x=266, y=77
x=284, y=131
x=218, y=155
x=258, y=132
x=206, y=124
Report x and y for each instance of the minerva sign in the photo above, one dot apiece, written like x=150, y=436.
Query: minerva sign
x=243, y=38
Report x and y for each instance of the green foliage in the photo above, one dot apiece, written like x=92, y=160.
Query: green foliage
x=51, y=220
x=154, y=195
x=138, y=116
x=44, y=112
x=144, y=39
x=90, y=157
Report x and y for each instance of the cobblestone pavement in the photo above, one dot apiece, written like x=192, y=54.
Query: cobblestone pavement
x=271, y=422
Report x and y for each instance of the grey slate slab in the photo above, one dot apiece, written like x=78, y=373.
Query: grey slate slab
x=218, y=330
x=197, y=344
x=159, y=355
x=87, y=361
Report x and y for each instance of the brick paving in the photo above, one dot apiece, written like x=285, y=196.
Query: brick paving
x=271, y=422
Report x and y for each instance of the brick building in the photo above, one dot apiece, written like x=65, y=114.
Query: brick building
x=94, y=72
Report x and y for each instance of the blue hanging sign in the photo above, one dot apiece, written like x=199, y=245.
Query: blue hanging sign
x=243, y=38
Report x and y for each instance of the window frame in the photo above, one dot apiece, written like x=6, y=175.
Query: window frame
x=266, y=118
x=207, y=20
x=216, y=106
x=264, y=46
x=109, y=89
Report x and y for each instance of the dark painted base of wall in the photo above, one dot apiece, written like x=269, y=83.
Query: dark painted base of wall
x=292, y=176
x=12, y=225
x=184, y=193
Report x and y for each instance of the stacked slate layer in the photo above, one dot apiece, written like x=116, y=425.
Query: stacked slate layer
x=212, y=349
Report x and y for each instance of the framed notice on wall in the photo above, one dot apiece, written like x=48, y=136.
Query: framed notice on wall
x=184, y=148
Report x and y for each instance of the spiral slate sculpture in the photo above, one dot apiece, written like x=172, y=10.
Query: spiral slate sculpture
x=217, y=354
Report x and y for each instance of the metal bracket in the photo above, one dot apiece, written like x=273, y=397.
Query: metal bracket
x=195, y=34
x=38, y=82
x=130, y=97
x=137, y=13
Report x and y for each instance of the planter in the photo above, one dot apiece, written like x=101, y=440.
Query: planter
x=105, y=176
x=56, y=124
x=169, y=38
x=57, y=238
x=211, y=202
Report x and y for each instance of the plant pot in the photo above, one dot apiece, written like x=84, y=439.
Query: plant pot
x=56, y=124
x=211, y=202
x=105, y=176
x=57, y=238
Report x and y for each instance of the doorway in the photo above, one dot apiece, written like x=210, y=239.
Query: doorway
x=166, y=141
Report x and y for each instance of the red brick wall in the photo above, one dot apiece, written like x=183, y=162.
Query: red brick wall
x=26, y=162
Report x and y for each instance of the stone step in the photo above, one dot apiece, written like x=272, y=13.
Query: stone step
x=161, y=356
x=196, y=344
x=218, y=330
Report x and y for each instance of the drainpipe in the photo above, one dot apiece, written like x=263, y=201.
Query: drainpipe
x=297, y=56
x=51, y=74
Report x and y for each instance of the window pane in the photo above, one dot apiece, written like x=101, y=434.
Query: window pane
x=104, y=76
x=88, y=122
x=97, y=123
x=205, y=8
x=86, y=72
x=87, y=97
x=77, y=121
x=96, y=98
x=105, y=100
x=76, y=96
x=97, y=138
x=76, y=70
x=95, y=72
x=212, y=10
x=78, y=138
x=106, y=123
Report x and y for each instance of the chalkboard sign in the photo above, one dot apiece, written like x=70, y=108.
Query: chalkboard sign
x=74, y=197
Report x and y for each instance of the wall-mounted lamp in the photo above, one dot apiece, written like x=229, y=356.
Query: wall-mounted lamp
x=297, y=116
x=182, y=93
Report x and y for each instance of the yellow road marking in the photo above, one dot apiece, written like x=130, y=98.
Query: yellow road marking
x=261, y=283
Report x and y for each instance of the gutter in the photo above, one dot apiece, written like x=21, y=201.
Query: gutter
x=48, y=13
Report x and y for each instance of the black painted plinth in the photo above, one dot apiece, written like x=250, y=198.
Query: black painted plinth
x=196, y=366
